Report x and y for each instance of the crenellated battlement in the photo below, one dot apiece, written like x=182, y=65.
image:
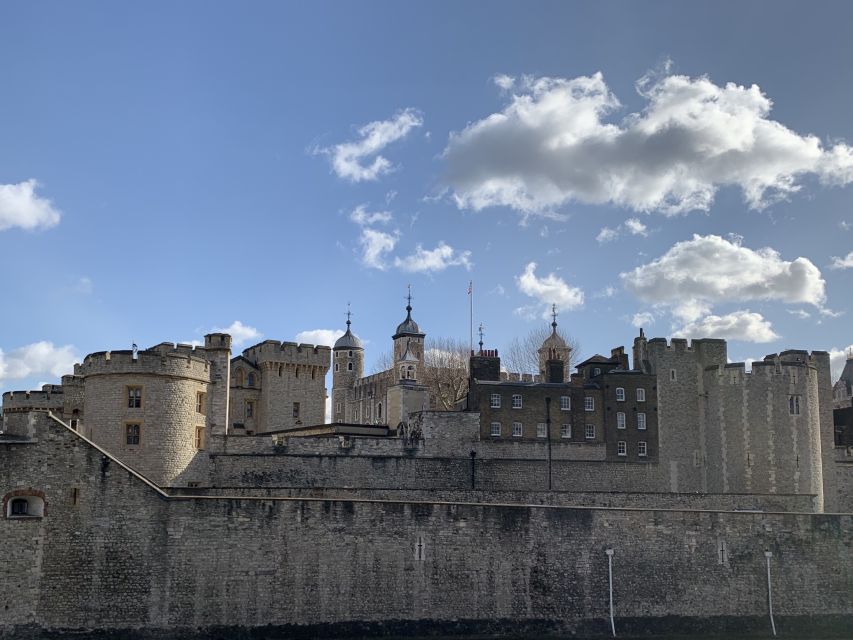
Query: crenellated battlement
x=179, y=363
x=50, y=396
x=289, y=353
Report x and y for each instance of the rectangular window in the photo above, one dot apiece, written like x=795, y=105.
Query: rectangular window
x=566, y=431
x=541, y=430
x=134, y=397
x=132, y=433
x=620, y=394
x=337, y=407
x=794, y=405
x=642, y=449
x=621, y=448
x=296, y=411
x=496, y=429
x=589, y=404
x=201, y=403
x=516, y=430
x=672, y=375
x=199, y=437
x=589, y=432
x=516, y=401
x=250, y=409
x=620, y=420
x=641, y=395
x=495, y=401
x=74, y=423
x=75, y=496
x=641, y=421
x=565, y=403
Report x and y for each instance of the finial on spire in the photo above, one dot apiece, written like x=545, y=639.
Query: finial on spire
x=481, y=331
x=409, y=299
x=349, y=313
x=554, y=316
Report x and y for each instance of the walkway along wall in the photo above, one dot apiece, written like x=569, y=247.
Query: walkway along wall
x=113, y=552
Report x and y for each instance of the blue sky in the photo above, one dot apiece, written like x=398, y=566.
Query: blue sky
x=171, y=168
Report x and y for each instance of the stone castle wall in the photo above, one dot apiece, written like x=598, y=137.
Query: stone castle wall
x=117, y=554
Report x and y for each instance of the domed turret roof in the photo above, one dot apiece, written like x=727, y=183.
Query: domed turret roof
x=555, y=340
x=349, y=340
x=408, y=327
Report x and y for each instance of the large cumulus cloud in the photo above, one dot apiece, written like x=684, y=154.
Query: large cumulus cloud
x=553, y=144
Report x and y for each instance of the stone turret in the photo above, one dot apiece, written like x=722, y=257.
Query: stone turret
x=409, y=346
x=348, y=363
x=554, y=355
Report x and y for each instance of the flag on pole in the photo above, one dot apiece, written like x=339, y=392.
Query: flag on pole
x=470, y=287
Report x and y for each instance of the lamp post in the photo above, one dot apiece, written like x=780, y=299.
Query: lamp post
x=548, y=432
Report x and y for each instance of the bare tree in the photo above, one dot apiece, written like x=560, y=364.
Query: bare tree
x=522, y=354
x=446, y=371
x=383, y=362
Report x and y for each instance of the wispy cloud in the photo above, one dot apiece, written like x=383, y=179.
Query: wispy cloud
x=374, y=247
x=438, y=259
x=360, y=160
x=842, y=263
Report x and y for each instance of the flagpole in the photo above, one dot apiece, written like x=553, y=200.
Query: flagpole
x=471, y=318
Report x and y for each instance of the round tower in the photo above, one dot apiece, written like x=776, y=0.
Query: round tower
x=347, y=368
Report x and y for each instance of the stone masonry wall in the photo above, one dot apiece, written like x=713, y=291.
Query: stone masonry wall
x=123, y=556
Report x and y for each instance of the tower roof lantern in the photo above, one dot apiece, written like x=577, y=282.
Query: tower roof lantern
x=408, y=327
x=349, y=340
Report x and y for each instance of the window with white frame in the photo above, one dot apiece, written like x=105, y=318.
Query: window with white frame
x=641, y=395
x=495, y=401
x=642, y=449
x=496, y=429
x=620, y=420
x=565, y=403
x=516, y=401
x=596, y=371
x=589, y=432
x=620, y=394
x=566, y=431
x=641, y=421
x=516, y=430
x=621, y=448
x=541, y=430
x=589, y=404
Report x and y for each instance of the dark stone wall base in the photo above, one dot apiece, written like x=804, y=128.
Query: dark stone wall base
x=671, y=627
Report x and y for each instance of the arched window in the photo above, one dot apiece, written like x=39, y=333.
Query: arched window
x=349, y=366
x=410, y=373
x=336, y=366
x=24, y=503
x=239, y=377
x=280, y=370
x=379, y=411
x=251, y=380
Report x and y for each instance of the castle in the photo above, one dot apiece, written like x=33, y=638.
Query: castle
x=185, y=487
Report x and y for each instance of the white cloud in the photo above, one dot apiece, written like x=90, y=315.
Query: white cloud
x=548, y=290
x=349, y=158
x=37, y=359
x=437, y=259
x=319, y=336
x=240, y=333
x=21, y=207
x=606, y=235
x=498, y=290
x=328, y=416
x=800, y=313
x=642, y=319
x=606, y=292
x=503, y=81
x=374, y=245
x=740, y=325
x=710, y=269
x=837, y=360
x=361, y=216
x=635, y=227
x=842, y=263
x=845, y=226
x=84, y=286
x=552, y=144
